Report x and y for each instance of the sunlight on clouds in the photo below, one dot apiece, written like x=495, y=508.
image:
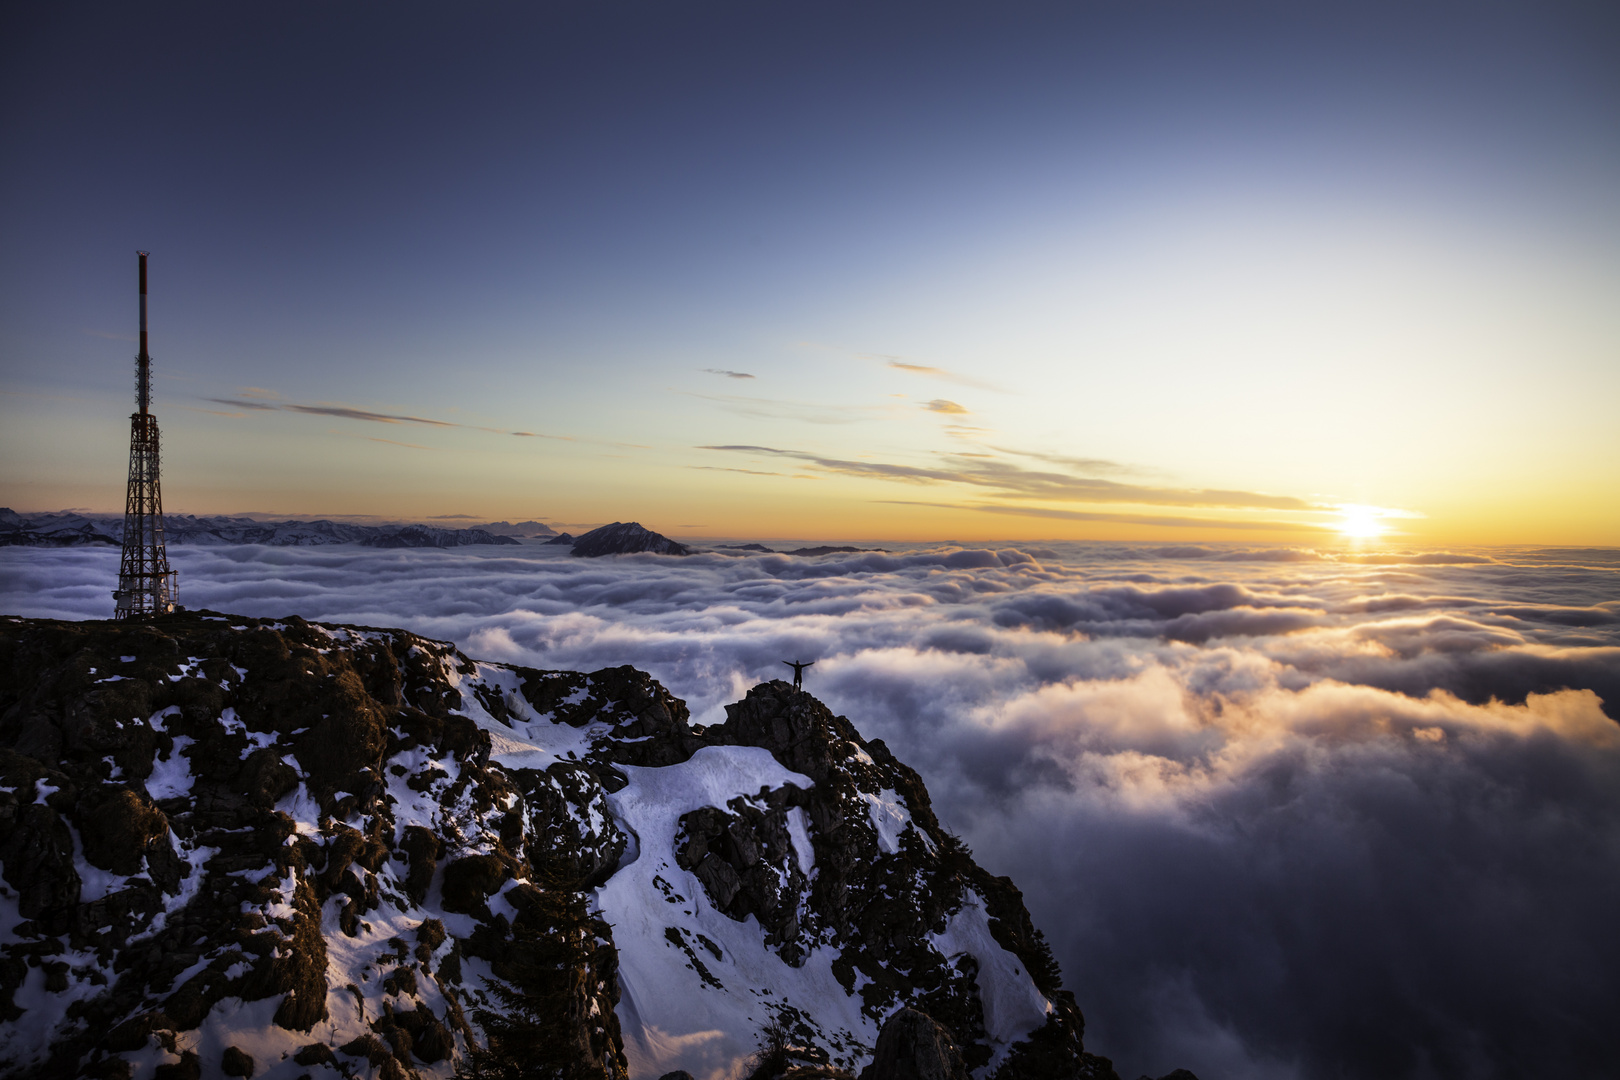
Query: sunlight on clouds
x=1189, y=757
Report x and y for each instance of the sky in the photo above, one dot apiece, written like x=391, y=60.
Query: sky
x=1288, y=272
x=1283, y=815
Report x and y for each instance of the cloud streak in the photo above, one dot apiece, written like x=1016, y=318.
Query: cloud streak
x=1009, y=480
x=254, y=399
x=899, y=364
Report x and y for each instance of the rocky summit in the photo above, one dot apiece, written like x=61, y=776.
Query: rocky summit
x=625, y=538
x=272, y=848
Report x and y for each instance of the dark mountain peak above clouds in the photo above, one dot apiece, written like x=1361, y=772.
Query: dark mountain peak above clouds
x=239, y=844
x=625, y=538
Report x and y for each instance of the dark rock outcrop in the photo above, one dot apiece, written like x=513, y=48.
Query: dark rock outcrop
x=561, y=538
x=233, y=782
x=236, y=1062
x=625, y=538
x=912, y=1046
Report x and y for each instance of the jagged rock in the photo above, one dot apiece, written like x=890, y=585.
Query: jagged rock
x=117, y=825
x=189, y=1067
x=314, y=1054
x=241, y=788
x=236, y=1062
x=468, y=881
x=625, y=538
x=561, y=538
x=912, y=1046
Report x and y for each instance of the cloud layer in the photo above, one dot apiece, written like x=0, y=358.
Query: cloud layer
x=1282, y=814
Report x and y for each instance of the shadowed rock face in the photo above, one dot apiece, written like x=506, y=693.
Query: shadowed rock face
x=912, y=1046
x=625, y=538
x=308, y=819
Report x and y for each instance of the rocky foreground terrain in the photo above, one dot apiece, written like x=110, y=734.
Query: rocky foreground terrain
x=241, y=847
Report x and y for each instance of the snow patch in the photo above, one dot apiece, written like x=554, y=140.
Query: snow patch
x=1013, y=1007
x=889, y=816
x=798, y=824
x=171, y=776
x=674, y=1016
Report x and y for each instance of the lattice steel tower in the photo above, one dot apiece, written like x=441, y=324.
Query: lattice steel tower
x=146, y=584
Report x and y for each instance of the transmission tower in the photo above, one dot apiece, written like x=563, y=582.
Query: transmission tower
x=146, y=584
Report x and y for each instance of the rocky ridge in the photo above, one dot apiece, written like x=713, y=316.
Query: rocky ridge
x=84, y=530
x=277, y=848
x=625, y=538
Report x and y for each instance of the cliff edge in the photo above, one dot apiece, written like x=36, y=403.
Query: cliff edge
x=275, y=848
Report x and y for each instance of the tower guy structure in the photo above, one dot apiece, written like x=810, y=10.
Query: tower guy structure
x=146, y=584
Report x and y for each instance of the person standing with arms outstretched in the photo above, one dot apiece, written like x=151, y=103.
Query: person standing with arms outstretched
x=798, y=671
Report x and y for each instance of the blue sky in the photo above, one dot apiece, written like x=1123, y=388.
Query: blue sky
x=1352, y=257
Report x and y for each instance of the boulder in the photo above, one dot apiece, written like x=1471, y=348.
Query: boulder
x=912, y=1046
x=236, y=1062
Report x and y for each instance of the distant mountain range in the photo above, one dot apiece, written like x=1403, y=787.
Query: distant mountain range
x=68, y=529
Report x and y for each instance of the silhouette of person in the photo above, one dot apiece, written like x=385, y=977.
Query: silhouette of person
x=798, y=671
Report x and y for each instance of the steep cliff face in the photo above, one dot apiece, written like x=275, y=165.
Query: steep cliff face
x=279, y=848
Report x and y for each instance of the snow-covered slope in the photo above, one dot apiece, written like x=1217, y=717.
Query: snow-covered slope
x=345, y=851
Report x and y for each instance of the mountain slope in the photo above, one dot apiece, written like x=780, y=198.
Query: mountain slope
x=344, y=851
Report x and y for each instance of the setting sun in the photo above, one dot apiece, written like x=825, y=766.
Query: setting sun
x=1361, y=522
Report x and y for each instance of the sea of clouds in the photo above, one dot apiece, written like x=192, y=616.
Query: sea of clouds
x=1280, y=813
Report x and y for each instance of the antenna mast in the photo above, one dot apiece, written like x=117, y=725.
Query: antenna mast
x=146, y=584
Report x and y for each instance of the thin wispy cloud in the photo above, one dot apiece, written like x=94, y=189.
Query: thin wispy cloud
x=1079, y=465
x=396, y=442
x=1144, y=519
x=807, y=412
x=947, y=407
x=724, y=468
x=1014, y=481
x=257, y=399
x=929, y=371
x=728, y=374
x=348, y=413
